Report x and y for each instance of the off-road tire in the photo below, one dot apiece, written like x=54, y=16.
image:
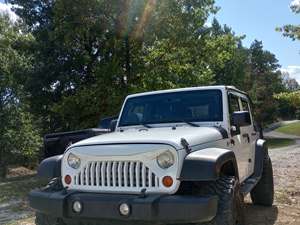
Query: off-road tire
x=231, y=201
x=43, y=219
x=263, y=193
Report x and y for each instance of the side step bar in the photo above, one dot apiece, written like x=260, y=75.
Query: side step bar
x=249, y=184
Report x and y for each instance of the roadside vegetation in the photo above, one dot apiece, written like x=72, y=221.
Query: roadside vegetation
x=279, y=142
x=293, y=129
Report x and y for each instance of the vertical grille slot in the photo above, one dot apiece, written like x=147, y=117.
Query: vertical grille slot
x=121, y=174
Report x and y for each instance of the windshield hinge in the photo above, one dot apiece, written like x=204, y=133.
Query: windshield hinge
x=186, y=145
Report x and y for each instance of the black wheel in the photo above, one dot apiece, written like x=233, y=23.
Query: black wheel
x=231, y=202
x=263, y=193
x=42, y=219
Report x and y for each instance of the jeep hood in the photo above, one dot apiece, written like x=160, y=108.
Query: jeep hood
x=166, y=135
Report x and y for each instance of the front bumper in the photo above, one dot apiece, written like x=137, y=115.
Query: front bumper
x=151, y=208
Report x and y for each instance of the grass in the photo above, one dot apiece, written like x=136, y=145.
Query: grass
x=28, y=221
x=17, y=188
x=279, y=142
x=293, y=129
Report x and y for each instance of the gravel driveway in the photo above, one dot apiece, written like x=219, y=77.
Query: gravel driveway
x=286, y=210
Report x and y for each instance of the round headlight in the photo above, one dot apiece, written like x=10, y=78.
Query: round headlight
x=73, y=161
x=165, y=160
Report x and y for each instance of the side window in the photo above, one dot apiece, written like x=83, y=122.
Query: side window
x=234, y=105
x=245, y=105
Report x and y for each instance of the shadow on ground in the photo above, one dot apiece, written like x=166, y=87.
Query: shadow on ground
x=259, y=215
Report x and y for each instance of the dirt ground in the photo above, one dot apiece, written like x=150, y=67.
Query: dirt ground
x=286, y=210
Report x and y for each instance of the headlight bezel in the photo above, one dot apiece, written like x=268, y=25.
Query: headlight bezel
x=73, y=161
x=165, y=160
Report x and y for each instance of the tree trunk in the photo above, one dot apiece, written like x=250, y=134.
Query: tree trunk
x=3, y=163
x=127, y=59
x=3, y=170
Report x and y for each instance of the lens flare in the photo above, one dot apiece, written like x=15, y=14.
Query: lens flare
x=144, y=20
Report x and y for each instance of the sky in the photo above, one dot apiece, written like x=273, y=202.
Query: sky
x=257, y=19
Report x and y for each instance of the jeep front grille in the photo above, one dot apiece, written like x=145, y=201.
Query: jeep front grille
x=116, y=174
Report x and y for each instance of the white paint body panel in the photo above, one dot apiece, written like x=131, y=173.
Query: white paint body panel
x=142, y=145
x=142, y=153
x=162, y=135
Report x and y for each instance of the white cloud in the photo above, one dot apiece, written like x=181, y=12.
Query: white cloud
x=295, y=5
x=6, y=9
x=294, y=72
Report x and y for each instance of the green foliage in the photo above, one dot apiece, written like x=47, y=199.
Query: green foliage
x=291, y=99
x=88, y=55
x=264, y=80
x=229, y=59
x=293, y=129
x=279, y=142
x=18, y=135
x=91, y=54
x=291, y=31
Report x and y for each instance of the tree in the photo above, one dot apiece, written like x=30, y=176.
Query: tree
x=91, y=54
x=292, y=31
x=264, y=80
x=291, y=97
x=88, y=55
x=229, y=59
x=292, y=100
x=290, y=83
x=19, y=138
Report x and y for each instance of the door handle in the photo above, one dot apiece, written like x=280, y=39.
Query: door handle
x=246, y=136
x=253, y=134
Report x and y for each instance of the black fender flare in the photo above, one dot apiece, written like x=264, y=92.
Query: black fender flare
x=206, y=164
x=261, y=151
x=50, y=168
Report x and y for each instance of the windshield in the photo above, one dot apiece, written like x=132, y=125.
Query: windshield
x=187, y=106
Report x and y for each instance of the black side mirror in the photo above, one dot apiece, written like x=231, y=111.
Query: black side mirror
x=241, y=119
x=113, y=125
x=105, y=123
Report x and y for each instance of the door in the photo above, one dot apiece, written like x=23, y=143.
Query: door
x=237, y=140
x=251, y=136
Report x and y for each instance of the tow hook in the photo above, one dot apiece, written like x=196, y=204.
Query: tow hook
x=143, y=193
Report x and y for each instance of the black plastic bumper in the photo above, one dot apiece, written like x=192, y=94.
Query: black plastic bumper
x=152, y=208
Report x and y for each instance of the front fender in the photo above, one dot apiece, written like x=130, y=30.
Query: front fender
x=206, y=164
x=50, y=167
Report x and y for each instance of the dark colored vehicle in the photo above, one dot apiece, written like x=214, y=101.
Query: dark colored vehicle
x=57, y=143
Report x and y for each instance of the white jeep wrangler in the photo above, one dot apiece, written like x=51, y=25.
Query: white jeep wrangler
x=176, y=156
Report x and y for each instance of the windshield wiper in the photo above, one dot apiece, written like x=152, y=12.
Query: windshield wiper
x=192, y=124
x=145, y=125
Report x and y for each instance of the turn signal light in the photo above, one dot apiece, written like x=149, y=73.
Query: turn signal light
x=68, y=179
x=167, y=181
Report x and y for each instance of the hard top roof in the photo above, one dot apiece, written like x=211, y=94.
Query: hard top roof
x=217, y=87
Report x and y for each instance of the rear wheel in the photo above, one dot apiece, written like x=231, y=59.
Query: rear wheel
x=263, y=193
